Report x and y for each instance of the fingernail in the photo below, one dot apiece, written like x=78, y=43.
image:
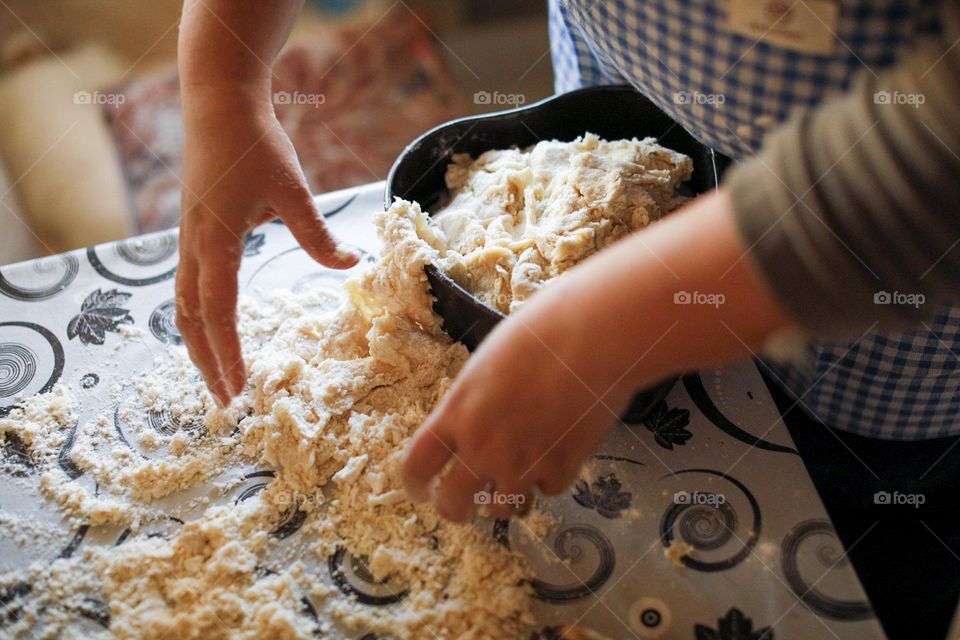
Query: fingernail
x=223, y=400
x=346, y=252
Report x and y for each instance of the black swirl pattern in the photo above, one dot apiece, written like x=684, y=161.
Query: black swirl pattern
x=11, y=602
x=18, y=366
x=74, y=543
x=55, y=273
x=567, y=547
x=709, y=525
x=354, y=578
x=291, y=519
x=93, y=609
x=321, y=277
x=163, y=323
x=160, y=421
x=105, y=272
x=170, y=523
x=64, y=459
x=829, y=554
x=698, y=393
x=16, y=455
x=149, y=250
x=166, y=424
x=56, y=365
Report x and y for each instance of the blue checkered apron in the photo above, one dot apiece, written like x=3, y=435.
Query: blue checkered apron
x=901, y=387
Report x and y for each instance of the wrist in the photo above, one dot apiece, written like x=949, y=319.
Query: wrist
x=216, y=103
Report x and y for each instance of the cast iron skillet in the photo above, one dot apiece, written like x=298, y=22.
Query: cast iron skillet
x=612, y=112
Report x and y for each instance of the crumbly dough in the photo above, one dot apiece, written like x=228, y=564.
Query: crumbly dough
x=677, y=551
x=518, y=218
x=332, y=400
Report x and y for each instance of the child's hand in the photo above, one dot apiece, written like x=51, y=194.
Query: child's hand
x=525, y=412
x=240, y=170
x=544, y=388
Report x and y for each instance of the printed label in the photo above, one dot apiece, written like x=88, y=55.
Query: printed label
x=808, y=26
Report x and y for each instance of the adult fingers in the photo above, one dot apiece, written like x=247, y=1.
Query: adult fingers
x=190, y=325
x=307, y=225
x=430, y=449
x=458, y=492
x=218, y=309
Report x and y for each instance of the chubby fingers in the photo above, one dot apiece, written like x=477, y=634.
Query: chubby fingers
x=190, y=324
x=217, y=284
x=298, y=210
x=430, y=449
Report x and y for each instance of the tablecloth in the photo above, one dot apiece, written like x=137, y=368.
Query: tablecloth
x=713, y=467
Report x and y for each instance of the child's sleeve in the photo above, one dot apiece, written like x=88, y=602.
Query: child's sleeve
x=851, y=214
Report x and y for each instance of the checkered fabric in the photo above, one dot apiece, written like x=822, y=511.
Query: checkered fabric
x=904, y=387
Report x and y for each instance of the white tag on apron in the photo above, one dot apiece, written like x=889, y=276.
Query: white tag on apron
x=807, y=26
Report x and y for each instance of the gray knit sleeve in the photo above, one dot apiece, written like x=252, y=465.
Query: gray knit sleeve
x=851, y=213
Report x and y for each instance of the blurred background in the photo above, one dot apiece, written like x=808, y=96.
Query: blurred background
x=90, y=125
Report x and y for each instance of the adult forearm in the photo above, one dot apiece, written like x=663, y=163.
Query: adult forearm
x=851, y=212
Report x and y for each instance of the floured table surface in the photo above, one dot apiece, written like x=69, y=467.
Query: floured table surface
x=698, y=521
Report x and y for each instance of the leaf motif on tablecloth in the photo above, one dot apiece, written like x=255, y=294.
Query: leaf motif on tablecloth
x=734, y=626
x=100, y=312
x=253, y=243
x=669, y=426
x=604, y=495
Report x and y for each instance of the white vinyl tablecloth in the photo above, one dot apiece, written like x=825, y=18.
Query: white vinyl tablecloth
x=714, y=467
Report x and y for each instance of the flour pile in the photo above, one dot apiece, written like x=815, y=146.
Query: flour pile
x=333, y=396
x=519, y=218
x=332, y=399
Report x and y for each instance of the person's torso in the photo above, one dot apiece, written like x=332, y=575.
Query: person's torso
x=729, y=71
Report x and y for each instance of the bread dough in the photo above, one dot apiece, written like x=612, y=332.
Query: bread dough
x=332, y=400
x=519, y=218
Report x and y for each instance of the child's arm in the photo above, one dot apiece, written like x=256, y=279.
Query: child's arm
x=239, y=170
x=542, y=392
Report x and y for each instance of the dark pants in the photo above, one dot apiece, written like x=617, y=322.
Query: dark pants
x=907, y=557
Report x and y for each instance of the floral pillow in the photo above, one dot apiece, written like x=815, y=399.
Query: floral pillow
x=351, y=100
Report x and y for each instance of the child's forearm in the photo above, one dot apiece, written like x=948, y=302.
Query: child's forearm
x=676, y=297
x=231, y=44
x=545, y=386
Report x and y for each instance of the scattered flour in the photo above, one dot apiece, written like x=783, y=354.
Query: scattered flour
x=333, y=397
